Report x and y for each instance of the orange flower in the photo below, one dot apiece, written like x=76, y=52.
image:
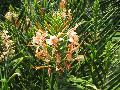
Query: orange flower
x=62, y=4
x=49, y=71
x=39, y=38
x=36, y=40
x=58, y=58
x=67, y=65
x=73, y=38
x=70, y=47
x=41, y=54
x=53, y=40
x=69, y=56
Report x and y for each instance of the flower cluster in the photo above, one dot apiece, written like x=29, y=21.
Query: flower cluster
x=48, y=47
x=7, y=46
x=57, y=45
x=15, y=20
x=11, y=16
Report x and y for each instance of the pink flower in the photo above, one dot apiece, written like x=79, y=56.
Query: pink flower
x=36, y=40
x=53, y=40
x=73, y=37
x=39, y=38
x=71, y=33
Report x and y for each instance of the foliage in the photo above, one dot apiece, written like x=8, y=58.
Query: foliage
x=95, y=22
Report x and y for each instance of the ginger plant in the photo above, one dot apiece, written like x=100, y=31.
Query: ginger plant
x=57, y=44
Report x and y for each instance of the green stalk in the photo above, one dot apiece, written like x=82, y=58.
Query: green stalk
x=43, y=80
x=51, y=83
x=56, y=81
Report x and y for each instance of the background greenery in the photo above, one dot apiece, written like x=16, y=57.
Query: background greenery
x=99, y=37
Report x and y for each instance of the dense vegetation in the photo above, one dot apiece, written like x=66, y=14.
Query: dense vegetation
x=60, y=45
